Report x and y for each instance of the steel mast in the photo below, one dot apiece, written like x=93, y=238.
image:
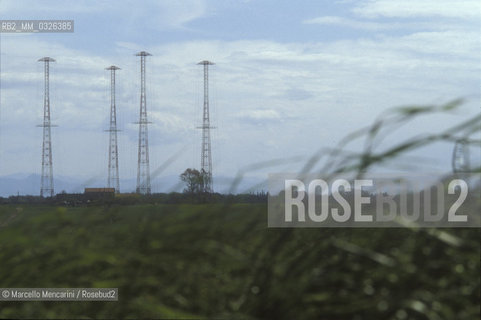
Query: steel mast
x=143, y=170
x=113, y=169
x=46, y=185
x=206, y=154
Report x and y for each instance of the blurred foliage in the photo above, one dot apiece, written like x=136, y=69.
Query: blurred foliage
x=219, y=260
x=194, y=261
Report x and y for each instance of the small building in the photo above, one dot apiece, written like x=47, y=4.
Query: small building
x=99, y=192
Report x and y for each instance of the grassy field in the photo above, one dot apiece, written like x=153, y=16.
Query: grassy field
x=220, y=261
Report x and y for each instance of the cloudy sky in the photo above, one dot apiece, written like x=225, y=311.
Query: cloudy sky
x=291, y=77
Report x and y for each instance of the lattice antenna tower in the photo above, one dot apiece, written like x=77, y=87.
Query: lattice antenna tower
x=46, y=183
x=206, y=152
x=113, y=169
x=143, y=170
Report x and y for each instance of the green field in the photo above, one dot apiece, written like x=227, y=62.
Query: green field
x=220, y=261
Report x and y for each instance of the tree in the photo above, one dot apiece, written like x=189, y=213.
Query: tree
x=194, y=181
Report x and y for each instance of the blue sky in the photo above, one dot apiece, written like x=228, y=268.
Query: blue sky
x=290, y=77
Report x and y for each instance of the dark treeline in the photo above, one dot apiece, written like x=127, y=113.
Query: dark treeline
x=81, y=199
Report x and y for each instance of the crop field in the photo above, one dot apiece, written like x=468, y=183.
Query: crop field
x=196, y=261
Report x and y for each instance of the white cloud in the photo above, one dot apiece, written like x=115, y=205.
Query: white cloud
x=32, y=9
x=351, y=23
x=371, y=24
x=334, y=88
x=128, y=46
x=260, y=115
x=178, y=13
x=128, y=13
x=420, y=8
